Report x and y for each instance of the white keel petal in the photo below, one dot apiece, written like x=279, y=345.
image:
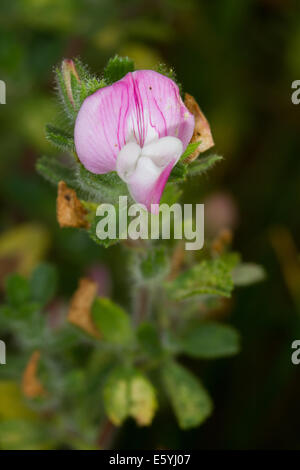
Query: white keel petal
x=163, y=151
x=127, y=160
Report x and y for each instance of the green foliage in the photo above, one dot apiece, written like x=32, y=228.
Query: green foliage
x=101, y=188
x=54, y=171
x=20, y=434
x=117, y=68
x=126, y=393
x=198, y=167
x=17, y=290
x=179, y=173
x=210, y=340
x=43, y=283
x=59, y=138
x=191, y=403
x=112, y=321
x=154, y=265
x=203, y=164
x=94, y=188
x=149, y=340
x=211, y=277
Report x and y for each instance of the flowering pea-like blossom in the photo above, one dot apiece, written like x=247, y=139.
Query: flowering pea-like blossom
x=137, y=126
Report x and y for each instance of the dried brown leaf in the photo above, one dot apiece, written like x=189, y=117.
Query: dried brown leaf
x=202, y=132
x=31, y=385
x=80, y=307
x=70, y=212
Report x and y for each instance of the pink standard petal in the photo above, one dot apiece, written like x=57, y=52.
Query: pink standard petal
x=102, y=125
x=161, y=110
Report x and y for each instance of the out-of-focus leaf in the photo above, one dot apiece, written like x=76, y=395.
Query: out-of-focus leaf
x=117, y=68
x=231, y=259
x=25, y=245
x=191, y=403
x=154, y=265
x=24, y=435
x=148, y=338
x=43, y=283
x=12, y=403
x=210, y=340
x=112, y=321
x=17, y=290
x=129, y=393
x=248, y=273
x=32, y=114
x=209, y=277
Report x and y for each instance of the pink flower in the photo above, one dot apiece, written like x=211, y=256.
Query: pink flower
x=138, y=127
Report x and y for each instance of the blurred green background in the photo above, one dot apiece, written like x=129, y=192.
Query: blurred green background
x=238, y=58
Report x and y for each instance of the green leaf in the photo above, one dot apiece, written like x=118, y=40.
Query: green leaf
x=248, y=273
x=54, y=171
x=189, y=150
x=59, y=138
x=171, y=194
x=178, y=173
x=17, y=290
x=43, y=283
x=190, y=401
x=209, y=277
x=202, y=165
x=149, y=340
x=129, y=393
x=112, y=321
x=96, y=188
x=102, y=188
x=92, y=231
x=89, y=86
x=117, y=68
x=210, y=340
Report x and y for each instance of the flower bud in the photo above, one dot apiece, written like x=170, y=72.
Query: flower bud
x=68, y=69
